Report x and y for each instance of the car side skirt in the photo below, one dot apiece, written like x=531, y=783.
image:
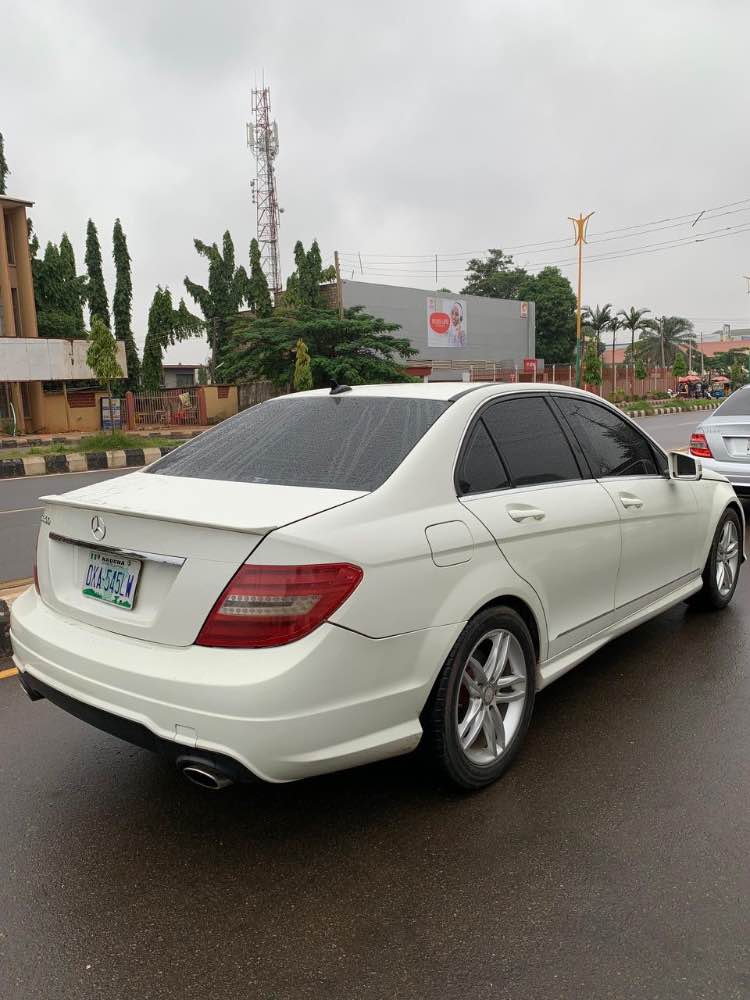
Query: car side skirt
x=554, y=667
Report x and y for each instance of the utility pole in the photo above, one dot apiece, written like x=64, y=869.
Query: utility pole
x=339, y=295
x=580, y=226
x=703, y=366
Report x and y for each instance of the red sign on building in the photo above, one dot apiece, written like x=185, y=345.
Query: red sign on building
x=529, y=366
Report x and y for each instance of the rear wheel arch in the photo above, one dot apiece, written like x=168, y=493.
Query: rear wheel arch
x=521, y=608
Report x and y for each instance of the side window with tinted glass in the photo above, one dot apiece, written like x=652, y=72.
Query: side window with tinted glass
x=612, y=446
x=531, y=441
x=481, y=470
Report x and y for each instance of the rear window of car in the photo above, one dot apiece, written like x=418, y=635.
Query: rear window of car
x=736, y=405
x=333, y=442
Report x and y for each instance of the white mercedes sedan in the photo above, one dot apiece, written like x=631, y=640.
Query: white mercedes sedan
x=333, y=577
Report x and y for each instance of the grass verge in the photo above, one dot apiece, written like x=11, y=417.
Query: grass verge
x=97, y=442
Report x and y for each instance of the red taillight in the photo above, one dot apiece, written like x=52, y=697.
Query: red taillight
x=699, y=446
x=36, y=580
x=273, y=605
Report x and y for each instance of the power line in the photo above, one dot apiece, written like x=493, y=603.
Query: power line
x=647, y=248
x=607, y=235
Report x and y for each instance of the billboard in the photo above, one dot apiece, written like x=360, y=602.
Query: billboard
x=447, y=324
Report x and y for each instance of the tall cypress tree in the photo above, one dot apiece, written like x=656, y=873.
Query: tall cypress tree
x=259, y=293
x=73, y=286
x=121, y=304
x=97, y=292
x=4, y=171
x=157, y=337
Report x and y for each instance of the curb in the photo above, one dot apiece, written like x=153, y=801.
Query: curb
x=661, y=411
x=90, y=461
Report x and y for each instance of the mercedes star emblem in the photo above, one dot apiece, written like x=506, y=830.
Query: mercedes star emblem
x=98, y=527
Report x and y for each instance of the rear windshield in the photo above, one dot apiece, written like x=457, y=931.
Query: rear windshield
x=736, y=405
x=334, y=442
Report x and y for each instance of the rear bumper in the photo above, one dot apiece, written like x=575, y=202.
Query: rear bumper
x=738, y=473
x=332, y=700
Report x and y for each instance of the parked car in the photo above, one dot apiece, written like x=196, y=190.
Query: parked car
x=328, y=579
x=722, y=441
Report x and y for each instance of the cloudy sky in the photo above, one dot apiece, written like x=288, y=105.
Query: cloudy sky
x=406, y=129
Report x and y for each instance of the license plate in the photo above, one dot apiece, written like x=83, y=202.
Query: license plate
x=111, y=578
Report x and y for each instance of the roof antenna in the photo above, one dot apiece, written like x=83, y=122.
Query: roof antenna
x=337, y=389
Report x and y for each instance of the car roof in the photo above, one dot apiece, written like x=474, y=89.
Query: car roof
x=443, y=390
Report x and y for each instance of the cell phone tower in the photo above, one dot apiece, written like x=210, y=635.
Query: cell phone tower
x=263, y=141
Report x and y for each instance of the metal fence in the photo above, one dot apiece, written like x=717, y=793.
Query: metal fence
x=614, y=377
x=167, y=408
x=252, y=393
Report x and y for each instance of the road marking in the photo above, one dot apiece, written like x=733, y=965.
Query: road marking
x=19, y=510
x=8, y=673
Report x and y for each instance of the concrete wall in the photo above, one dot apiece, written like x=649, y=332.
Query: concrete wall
x=82, y=418
x=497, y=329
x=25, y=359
x=219, y=407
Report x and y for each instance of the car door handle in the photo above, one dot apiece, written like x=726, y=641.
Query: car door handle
x=523, y=513
x=627, y=500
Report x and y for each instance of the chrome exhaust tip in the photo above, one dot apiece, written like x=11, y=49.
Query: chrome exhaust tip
x=206, y=777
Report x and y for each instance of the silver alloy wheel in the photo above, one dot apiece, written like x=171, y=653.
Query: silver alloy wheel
x=491, y=696
x=727, y=558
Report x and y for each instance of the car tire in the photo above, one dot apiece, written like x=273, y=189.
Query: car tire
x=503, y=696
x=714, y=596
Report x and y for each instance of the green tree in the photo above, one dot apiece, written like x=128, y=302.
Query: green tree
x=4, y=170
x=592, y=365
x=598, y=320
x=58, y=294
x=496, y=276
x=555, y=314
x=101, y=356
x=122, y=304
x=679, y=365
x=738, y=373
x=74, y=286
x=260, y=297
x=202, y=375
x=664, y=336
x=640, y=369
x=228, y=288
x=166, y=326
x=354, y=350
x=634, y=320
x=303, y=379
x=97, y=292
x=613, y=326
x=303, y=284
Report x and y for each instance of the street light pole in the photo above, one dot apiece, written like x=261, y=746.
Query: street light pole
x=579, y=229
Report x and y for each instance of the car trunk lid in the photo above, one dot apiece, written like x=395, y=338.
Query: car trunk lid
x=176, y=541
x=728, y=438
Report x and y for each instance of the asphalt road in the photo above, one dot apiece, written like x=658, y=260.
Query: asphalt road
x=610, y=863
x=672, y=431
x=20, y=510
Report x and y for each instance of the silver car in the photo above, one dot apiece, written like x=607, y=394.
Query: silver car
x=722, y=441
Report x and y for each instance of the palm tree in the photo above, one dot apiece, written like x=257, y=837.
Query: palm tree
x=615, y=324
x=665, y=337
x=597, y=319
x=633, y=320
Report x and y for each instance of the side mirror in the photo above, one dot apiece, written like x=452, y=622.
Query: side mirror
x=682, y=466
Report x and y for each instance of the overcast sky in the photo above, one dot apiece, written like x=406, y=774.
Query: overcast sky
x=406, y=128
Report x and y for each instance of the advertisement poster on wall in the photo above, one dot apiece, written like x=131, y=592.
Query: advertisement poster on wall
x=447, y=323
